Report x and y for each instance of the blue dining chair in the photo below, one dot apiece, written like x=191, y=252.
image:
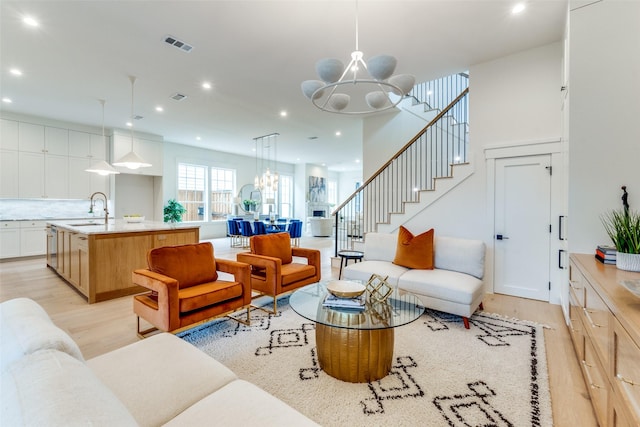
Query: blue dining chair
x=259, y=228
x=234, y=233
x=246, y=232
x=295, y=231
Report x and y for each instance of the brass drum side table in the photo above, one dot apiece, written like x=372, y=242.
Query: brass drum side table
x=355, y=345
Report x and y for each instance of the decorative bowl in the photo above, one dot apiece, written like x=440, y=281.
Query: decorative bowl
x=345, y=288
x=133, y=218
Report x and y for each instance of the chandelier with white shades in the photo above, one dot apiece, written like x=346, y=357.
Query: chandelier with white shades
x=266, y=176
x=371, y=84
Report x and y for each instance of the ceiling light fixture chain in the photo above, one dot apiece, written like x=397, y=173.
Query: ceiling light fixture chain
x=102, y=167
x=266, y=179
x=132, y=160
x=385, y=90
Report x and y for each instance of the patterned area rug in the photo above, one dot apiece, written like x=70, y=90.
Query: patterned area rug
x=494, y=374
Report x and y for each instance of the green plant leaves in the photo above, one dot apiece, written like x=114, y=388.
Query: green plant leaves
x=623, y=227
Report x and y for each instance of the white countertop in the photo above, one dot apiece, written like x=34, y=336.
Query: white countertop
x=97, y=226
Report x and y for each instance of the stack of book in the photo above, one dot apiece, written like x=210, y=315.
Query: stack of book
x=357, y=303
x=606, y=254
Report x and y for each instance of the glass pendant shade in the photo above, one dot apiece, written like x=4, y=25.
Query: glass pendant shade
x=310, y=86
x=131, y=160
x=102, y=168
x=377, y=99
x=330, y=69
x=339, y=101
x=404, y=81
x=381, y=67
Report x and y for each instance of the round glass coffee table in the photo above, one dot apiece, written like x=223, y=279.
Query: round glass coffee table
x=355, y=345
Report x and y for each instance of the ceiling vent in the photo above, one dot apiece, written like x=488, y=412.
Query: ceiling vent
x=178, y=96
x=178, y=44
x=137, y=117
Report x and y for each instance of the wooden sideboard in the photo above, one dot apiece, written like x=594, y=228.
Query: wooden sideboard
x=604, y=322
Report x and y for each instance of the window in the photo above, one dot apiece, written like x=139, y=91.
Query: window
x=191, y=190
x=332, y=192
x=205, y=192
x=222, y=185
x=286, y=196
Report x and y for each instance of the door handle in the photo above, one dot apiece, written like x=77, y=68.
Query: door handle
x=501, y=237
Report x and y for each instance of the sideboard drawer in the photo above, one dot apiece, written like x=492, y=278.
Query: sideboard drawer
x=597, y=383
x=626, y=368
x=576, y=284
x=576, y=327
x=598, y=321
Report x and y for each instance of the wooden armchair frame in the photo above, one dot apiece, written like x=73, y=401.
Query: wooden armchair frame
x=164, y=313
x=266, y=274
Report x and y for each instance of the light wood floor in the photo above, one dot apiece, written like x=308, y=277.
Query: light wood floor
x=102, y=327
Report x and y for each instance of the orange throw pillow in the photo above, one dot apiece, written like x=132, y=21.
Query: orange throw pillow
x=414, y=251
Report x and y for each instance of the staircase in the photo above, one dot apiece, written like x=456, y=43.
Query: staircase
x=432, y=163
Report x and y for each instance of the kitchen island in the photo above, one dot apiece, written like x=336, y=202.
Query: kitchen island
x=97, y=259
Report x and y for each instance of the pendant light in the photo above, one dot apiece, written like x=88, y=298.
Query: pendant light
x=102, y=168
x=132, y=160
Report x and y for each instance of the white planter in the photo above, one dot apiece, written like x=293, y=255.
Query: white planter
x=628, y=262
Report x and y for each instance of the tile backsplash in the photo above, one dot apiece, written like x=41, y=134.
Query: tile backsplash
x=45, y=209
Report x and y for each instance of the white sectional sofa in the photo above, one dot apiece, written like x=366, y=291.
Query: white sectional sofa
x=161, y=380
x=454, y=286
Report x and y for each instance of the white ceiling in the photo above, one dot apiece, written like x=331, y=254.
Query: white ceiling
x=255, y=53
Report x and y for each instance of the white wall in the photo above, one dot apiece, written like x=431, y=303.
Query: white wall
x=245, y=167
x=513, y=100
x=604, y=88
x=384, y=135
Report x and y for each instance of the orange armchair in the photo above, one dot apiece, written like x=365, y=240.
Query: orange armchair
x=273, y=271
x=185, y=289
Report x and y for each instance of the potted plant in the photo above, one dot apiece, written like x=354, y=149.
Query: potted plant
x=249, y=205
x=623, y=227
x=173, y=211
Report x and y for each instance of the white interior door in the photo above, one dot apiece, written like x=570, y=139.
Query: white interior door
x=522, y=226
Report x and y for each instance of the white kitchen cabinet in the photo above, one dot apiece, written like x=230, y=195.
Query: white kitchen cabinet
x=42, y=176
x=99, y=147
x=9, y=239
x=31, y=137
x=33, y=238
x=150, y=151
x=82, y=183
x=31, y=175
x=79, y=144
x=87, y=145
x=8, y=134
x=56, y=141
x=9, y=174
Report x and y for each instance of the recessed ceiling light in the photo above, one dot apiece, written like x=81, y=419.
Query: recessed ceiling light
x=283, y=113
x=30, y=21
x=7, y=100
x=198, y=138
x=129, y=124
x=518, y=8
x=15, y=72
x=159, y=109
x=338, y=133
x=206, y=85
x=357, y=160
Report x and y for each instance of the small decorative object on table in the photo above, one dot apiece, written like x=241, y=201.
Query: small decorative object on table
x=345, y=288
x=378, y=288
x=134, y=218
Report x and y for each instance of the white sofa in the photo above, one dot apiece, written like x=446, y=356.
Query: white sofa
x=161, y=380
x=455, y=284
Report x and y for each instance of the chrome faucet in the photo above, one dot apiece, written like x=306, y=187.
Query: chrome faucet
x=106, y=207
